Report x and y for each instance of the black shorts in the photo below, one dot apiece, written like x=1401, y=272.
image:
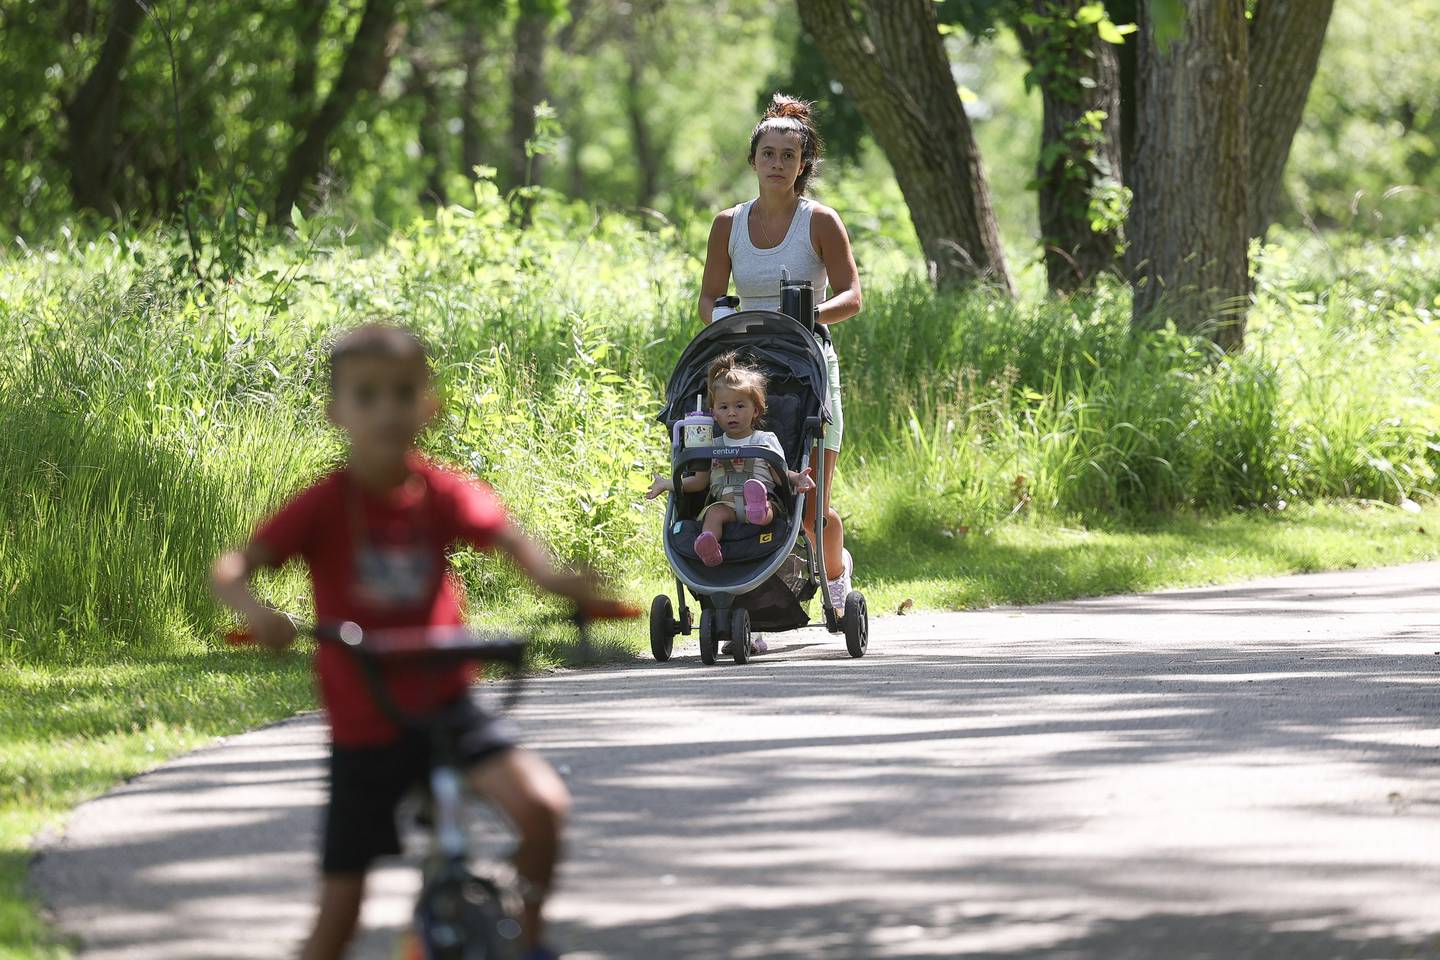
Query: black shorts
x=366, y=783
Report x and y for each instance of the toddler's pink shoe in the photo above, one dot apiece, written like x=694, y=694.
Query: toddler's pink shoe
x=707, y=548
x=757, y=503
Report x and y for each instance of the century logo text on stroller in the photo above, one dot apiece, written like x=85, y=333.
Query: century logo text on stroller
x=772, y=570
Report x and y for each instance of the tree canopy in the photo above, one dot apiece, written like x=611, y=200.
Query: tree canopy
x=379, y=110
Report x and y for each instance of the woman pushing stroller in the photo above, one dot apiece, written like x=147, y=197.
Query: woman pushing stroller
x=780, y=230
x=750, y=579
x=741, y=488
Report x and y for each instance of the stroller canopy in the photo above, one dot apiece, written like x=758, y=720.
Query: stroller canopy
x=777, y=345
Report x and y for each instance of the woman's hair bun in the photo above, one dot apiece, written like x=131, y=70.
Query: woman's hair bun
x=788, y=107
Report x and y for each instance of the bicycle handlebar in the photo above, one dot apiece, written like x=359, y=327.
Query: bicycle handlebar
x=438, y=644
x=457, y=642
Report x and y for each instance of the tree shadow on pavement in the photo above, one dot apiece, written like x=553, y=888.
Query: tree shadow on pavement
x=863, y=928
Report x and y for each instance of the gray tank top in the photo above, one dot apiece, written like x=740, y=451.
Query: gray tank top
x=757, y=272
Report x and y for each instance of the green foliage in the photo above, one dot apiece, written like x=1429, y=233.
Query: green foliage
x=808, y=77
x=1058, y=47
x=1168, y=19
x=629, y=93
x=152, y=421
x=1060, y=409
x=1367, y=155
x=995, y=452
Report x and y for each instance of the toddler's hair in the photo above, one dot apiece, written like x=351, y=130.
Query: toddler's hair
x=727, y=371
x=377, y=340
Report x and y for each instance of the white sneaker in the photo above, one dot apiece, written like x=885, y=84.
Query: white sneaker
x=840, y=588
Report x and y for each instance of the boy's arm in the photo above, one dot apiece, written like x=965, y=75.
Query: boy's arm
x=230, y=582
x=531, y=558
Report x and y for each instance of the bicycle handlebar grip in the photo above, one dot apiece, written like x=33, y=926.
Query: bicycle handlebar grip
x=608, y=610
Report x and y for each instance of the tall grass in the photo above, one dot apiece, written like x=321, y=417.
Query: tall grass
x=148, y=423
x=1058, y=409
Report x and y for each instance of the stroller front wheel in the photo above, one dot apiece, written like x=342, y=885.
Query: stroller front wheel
x=662, y=628
x=709, y=642
x=740, y=635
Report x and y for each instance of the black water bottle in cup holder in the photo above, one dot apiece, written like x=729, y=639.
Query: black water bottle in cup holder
x=797, y=300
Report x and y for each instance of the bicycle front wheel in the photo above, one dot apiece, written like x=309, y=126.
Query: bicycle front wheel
x=467, y=918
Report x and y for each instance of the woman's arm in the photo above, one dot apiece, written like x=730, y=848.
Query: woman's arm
x=833, y=244
x=716, y=280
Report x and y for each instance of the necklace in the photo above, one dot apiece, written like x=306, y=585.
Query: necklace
x=765, y=234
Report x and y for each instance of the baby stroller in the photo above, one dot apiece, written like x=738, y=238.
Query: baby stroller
x=769, y=571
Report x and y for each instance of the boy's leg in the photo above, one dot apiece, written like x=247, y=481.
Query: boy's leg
x=532, y=795
x=340, y=898
x=365, y=785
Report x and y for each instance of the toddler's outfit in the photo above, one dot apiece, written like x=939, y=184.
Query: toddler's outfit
x=728, y=478
x=745, y=485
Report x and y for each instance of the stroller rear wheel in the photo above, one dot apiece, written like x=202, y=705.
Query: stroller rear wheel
x=857, y=624
x=709, y=642
x=740, y=635
x=662, y=628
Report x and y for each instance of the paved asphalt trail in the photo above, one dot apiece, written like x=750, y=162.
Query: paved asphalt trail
x=1226, y=773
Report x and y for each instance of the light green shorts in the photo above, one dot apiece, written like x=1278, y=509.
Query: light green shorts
x=836, y=428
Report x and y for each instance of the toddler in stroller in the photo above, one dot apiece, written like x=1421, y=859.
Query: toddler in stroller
x=746, y=560
x=738, y=487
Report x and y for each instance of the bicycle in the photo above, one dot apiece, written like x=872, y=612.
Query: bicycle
x=461, y=913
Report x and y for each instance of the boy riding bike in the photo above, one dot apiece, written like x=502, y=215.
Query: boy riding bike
x=375, y=534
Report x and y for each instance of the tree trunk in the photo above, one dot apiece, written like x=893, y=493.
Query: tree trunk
x=366, y=62
x=894, y=66
x=1126, y=11
x=472, y=138
x=78, y=18
x=1188, y=220
x=431, y=133
x=1079, y=78
x=646, y=155
x=527, y=89
x=311, y=14
x=93, y=114
x=1285, y=41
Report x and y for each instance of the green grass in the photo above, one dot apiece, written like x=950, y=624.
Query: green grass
x=1037, y=562
x=67, y=733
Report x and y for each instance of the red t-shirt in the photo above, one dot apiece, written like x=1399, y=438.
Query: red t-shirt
x=381, y=560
